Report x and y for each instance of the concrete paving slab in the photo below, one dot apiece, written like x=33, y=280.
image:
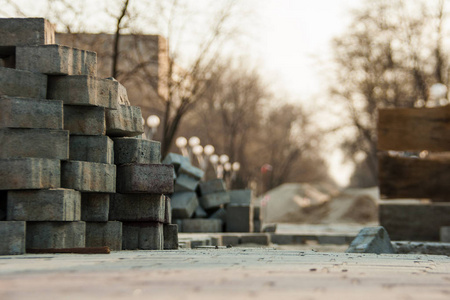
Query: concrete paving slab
x=225, y=273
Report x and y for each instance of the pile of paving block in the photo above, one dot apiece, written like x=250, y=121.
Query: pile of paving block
x=74, y=169
x=207, y=206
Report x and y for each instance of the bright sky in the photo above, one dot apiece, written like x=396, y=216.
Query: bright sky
x=295, y=45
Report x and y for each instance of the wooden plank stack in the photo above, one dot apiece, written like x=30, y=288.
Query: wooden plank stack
x=414, y=162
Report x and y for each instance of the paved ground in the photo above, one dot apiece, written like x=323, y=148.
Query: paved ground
x=233, y=273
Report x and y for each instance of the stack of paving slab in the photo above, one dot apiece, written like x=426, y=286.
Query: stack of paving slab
x=207, y=206
x=62, y=132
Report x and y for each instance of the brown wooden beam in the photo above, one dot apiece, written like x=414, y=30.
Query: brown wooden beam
x=406, y=177
x=414, y=129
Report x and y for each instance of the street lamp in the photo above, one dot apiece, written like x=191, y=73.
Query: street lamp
x=152, y=123
x=181, y=143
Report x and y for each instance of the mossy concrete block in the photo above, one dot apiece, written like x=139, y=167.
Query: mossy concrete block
x=84, y=120
x=20, y=83
x=136, y=151
x=183, y=205
x=41, y=143
x=137, y=207
x=145, y=178
x=214, y=200
x=56, y=60
x=29, y=173
x=88, y=176
x=16, y=112
x=124, y=121
x=202, y=225
x=170, y=236
x=142, y=235
x=12, y=237
x=26, y=31
x=95, y=207
x=47, y=235
x=100, y=234
x=44, y=205
x=371, y=240
x=185, y=183
x=99, y=149
x=211, y=186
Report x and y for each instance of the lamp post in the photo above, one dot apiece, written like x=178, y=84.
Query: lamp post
x=151, y=126
x=181, y=143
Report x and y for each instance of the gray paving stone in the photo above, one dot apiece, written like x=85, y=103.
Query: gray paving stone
x=12, y=237
x=170, y=236
x=211, y=186
x=231, y=240
x=88, y=176
x=29, y=173
x=214, y=200
x=41, y=143
x=240, y=197
x=332, y=239
x=124, y=121
x=26, y=31
x=137, y=207
x=190, y=170
x=371, y=240
x=46, y=235
x=445, y=234
x=430, y=248
x=148, y=178
x=176, y=160
x=168, y=210
x=19, y=83
x=239, y=218
x=44, y=205
x=256, y=238
x=142, y=235
x=200, y=212
x=220, y=214
x=56, y=60
x=95, y=207
x=16, y=112
x=100, y=234
x=136, y=151
x=84, y=120
x=108, y=93
x=99, y=149
x=183, y=205
x=185, y=183
x=414, y=222
x=202, y=225
x=256, y=226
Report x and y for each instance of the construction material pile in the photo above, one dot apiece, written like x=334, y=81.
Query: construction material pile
x=74, y=169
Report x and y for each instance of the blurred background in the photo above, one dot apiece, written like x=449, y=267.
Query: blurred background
x=287, y=90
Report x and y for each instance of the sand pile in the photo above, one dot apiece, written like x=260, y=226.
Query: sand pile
x=319, y=204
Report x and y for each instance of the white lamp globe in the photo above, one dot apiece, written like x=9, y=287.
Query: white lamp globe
x=197, y=150
x=227, y=166
x=153, y=121
x=209, y=150
x=224, y=159
x=181, y=142
x=236, y=166
x=214, y=159
x=194, y=141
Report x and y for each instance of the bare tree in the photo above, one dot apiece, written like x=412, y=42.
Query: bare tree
x=389, y=57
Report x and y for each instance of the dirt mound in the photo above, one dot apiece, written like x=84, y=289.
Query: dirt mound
x=318, y=204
